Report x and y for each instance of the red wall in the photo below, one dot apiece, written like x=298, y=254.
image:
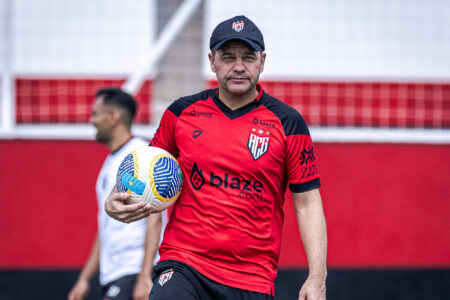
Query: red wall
x=48, y=201
x=386, y=205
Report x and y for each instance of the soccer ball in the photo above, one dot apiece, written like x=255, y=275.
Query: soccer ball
x=152, y=175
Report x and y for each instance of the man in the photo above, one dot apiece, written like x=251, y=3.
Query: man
x=239, y=149
x=123, y=253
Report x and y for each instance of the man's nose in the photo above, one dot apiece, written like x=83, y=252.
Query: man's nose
x=238, y=65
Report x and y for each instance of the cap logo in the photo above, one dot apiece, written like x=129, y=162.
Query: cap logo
x=238, y=25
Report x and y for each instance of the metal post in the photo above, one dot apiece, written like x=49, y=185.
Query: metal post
x=7, y=108
x=165, y=39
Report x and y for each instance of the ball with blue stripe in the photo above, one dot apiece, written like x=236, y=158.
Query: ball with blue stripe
x=152, y=175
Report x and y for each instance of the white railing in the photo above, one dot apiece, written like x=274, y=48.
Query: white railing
x=161, y=45
x=318, y=134
x=10, y=130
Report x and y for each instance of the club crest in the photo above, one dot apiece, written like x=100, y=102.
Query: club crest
x=238, y=25
x=165, y=276
x=258, y=142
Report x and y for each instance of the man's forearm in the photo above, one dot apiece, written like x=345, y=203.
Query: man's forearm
x=92, y=264
x=154, y=225
x=312, y=226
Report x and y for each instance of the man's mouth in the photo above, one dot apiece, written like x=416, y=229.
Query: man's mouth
x=238, y=79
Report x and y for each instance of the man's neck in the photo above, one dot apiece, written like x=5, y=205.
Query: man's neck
x=119, y=139
x=237, y=101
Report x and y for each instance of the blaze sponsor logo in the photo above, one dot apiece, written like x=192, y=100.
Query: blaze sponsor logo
x=197, y=179
x=262, y=122
x=307, y=155
x=235, y=183
x=165, y=276
x=195, y=113
x=246, y=188
x=258, y=143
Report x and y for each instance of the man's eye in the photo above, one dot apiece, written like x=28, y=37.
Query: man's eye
x=227, y=58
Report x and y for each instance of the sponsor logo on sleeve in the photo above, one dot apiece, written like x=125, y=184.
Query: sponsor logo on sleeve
x=308, y=158
x=307, y=155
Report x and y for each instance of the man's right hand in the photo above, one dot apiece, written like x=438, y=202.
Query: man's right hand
x=79, y=290
x=117, y=208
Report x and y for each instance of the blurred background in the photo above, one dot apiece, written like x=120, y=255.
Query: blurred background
x=370, y=77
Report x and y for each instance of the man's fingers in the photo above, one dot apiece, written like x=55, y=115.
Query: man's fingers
x=138, y=206
x=137, y=217
x=121, y=196
x=137, y=210
x=302, y=294
x=117, y=207
x=133, y=212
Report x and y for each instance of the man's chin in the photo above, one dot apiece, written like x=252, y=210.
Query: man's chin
x=239, y=89
x=101, y=139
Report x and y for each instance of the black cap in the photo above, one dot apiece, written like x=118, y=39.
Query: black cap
x=237, y=28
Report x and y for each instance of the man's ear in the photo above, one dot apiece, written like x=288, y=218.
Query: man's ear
x=211, y=62
x=263, y=60
x=115, y=116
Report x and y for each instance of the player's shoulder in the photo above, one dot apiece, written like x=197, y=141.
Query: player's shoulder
x=133, y=144
x=179, y=105
x=291, y=119
x=137, y=142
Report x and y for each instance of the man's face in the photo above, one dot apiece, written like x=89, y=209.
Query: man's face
x=237, y=67
x=101, y=118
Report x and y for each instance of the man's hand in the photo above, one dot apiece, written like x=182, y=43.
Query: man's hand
x=79, y=291
x=142, y=287
x=313, y=288
x=117, y=208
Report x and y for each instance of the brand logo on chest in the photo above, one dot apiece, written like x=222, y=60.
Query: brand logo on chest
x=262, y=122
x=195, y=113
x=258, y=142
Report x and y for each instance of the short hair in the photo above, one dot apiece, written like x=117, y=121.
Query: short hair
x=114, y=96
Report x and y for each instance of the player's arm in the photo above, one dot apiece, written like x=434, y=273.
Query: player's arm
x=117, y=208
x=81, y=288
x=312, y=226
x=144, y=280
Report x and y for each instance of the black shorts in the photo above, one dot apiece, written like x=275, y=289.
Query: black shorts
x=120, y=289
x=173, y=280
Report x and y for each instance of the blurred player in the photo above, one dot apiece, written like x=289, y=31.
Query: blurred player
x=239, y=149
x=123, y=253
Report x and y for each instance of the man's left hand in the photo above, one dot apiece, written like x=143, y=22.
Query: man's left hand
x=142, y=288
x=313, y=288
